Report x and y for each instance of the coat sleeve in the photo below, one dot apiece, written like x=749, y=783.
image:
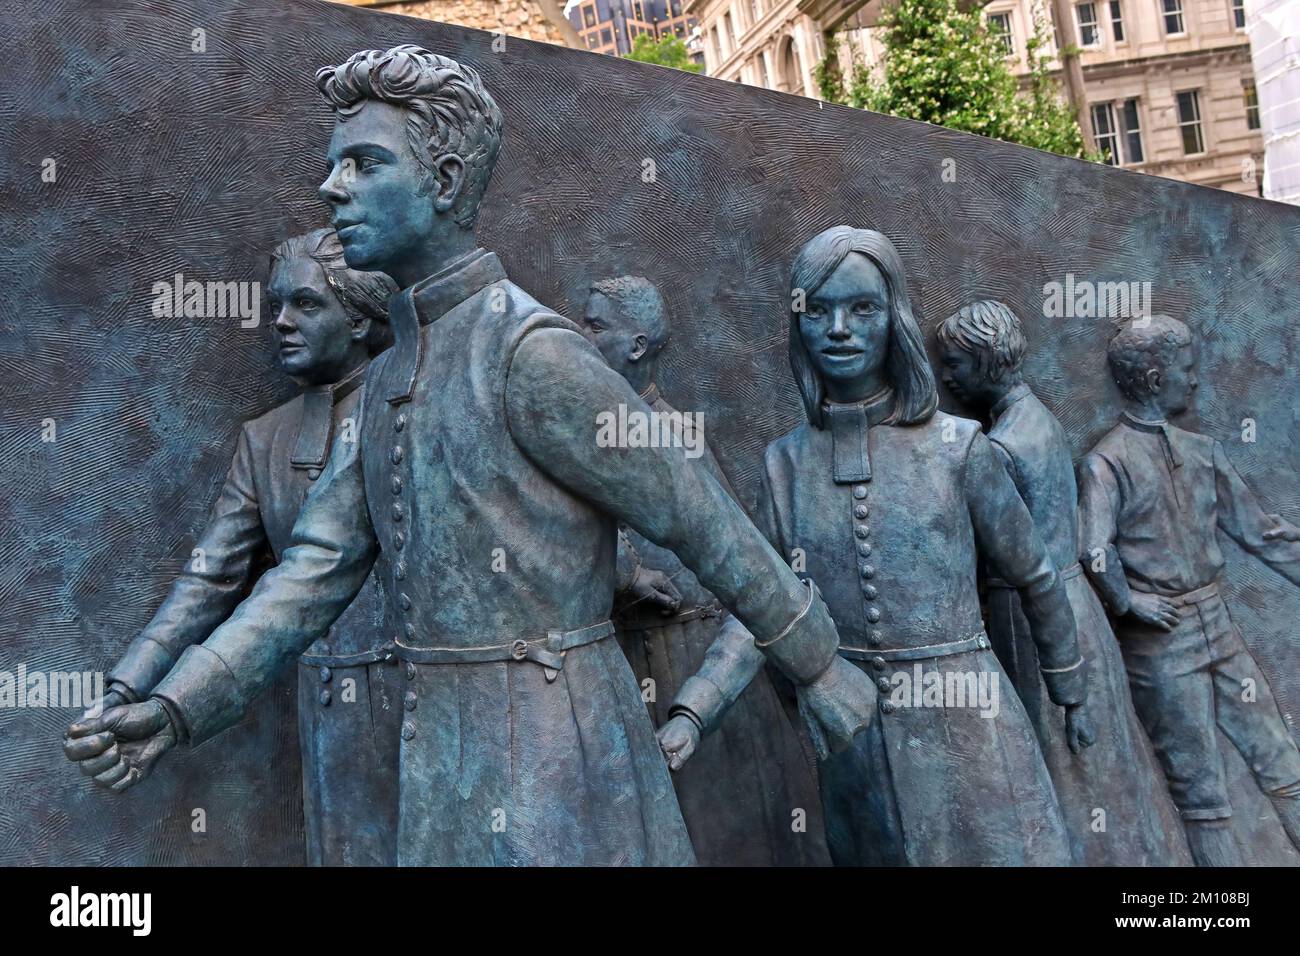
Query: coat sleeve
x=1099, y=504
x=330, y=555
x=561, y=397
x=210, y=586
x=1243, y=520
x=1007, y=537
x=732, y=660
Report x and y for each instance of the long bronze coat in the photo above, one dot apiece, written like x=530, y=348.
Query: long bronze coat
x=480, y=480
x=348, y=698
x=895, y=555
x=1113, y=798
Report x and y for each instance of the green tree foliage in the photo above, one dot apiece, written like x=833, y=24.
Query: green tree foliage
x=941, y=65
x=666, y=51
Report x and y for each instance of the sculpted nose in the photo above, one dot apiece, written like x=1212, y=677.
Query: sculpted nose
x=331, y=190
x=839, y=327
x=283, y=323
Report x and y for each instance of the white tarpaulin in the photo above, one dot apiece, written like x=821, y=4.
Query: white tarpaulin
x=1274, y=28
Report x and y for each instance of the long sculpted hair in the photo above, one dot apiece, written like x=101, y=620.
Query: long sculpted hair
x=907, y=365
x=364, y=295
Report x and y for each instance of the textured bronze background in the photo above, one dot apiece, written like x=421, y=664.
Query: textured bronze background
x=173, y=161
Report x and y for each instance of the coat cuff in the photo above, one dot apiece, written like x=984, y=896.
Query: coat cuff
x=1067, y=685
x=807, y=645
x=700, y=699
x=201, y=694
x=144, y=664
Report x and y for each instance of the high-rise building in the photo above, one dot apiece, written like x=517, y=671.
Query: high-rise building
x=531, y=19
x=1168, y=84
x=612, y=26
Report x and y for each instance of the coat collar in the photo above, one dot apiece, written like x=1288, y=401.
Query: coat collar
x=311, y=448
x=1016, y=393
x=425, y=302
x=850, y=424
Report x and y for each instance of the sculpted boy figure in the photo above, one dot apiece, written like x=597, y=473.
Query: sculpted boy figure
x=329, y=320
x=479, y=484
x=981, y=350
x=749, y=797
x=1151, y=498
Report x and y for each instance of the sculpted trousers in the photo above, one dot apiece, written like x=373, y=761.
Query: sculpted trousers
x=1192, y=679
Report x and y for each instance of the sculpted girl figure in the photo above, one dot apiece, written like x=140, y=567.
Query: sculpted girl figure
x=886, y=507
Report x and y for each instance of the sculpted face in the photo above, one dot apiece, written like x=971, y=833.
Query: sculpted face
x=962, y=375
x=379, y=191
x=1178, y=382
x=614, y=334
x=316, y=341
x=845, y=328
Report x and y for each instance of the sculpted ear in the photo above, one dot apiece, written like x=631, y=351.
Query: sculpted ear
x=360, y=328
x=640, y=345
x=1153, y=380
x=448, y=179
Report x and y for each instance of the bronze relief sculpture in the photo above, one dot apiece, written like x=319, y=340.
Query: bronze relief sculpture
x=1152, y=496
x=328, y=321
x=749, y=796
x=478, y=485
x=1113, y=799
x=888, y=506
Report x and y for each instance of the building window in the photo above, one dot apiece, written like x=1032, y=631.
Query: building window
x=589, y=16
x=606, y=36
x=755, y=11
x=1252, y=106
x=1089, y=34
x=764, y=80
x=1239, y=14
x=717, y=43
x=1172, y=13
x=1189, y=122
x=732, y=35
x=1117, y=131
x=1000, y=28
x=1116, y=21
x=676, y=7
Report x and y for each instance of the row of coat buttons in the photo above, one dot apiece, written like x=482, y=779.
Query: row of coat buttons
x=398, y=513
x=870, y=592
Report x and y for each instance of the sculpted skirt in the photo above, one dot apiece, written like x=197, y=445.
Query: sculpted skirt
x=749, y=795
x=348, y=720
x=935, y=781
x=1113, y=796
x=501, y=767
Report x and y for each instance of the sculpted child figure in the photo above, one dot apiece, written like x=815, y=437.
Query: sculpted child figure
x=478, y=484
x=329, y=321
x=888, y=507
x=1115, y=784
x=1152, y=495
x=742, y=794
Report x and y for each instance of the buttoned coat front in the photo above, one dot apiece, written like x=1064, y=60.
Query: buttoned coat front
x=895, y=559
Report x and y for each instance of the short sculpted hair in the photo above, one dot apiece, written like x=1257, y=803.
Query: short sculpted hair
x=991, y=332
x=448, y=109
x=364, y=295
x=638, y=299
x=1137, y=348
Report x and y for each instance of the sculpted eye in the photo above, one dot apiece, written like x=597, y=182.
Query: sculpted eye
x=866, y=308
x=368, y=163
x=305, y=304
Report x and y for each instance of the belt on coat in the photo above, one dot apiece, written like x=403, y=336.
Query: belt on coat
x=1073, y=571
x=650, y=620
x=547, y=651
x=976, y=642
x=1188, y=597
x=384, y=653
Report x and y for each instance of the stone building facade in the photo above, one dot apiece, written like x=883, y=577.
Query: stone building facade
x=531, y=19
x=1169, y=84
